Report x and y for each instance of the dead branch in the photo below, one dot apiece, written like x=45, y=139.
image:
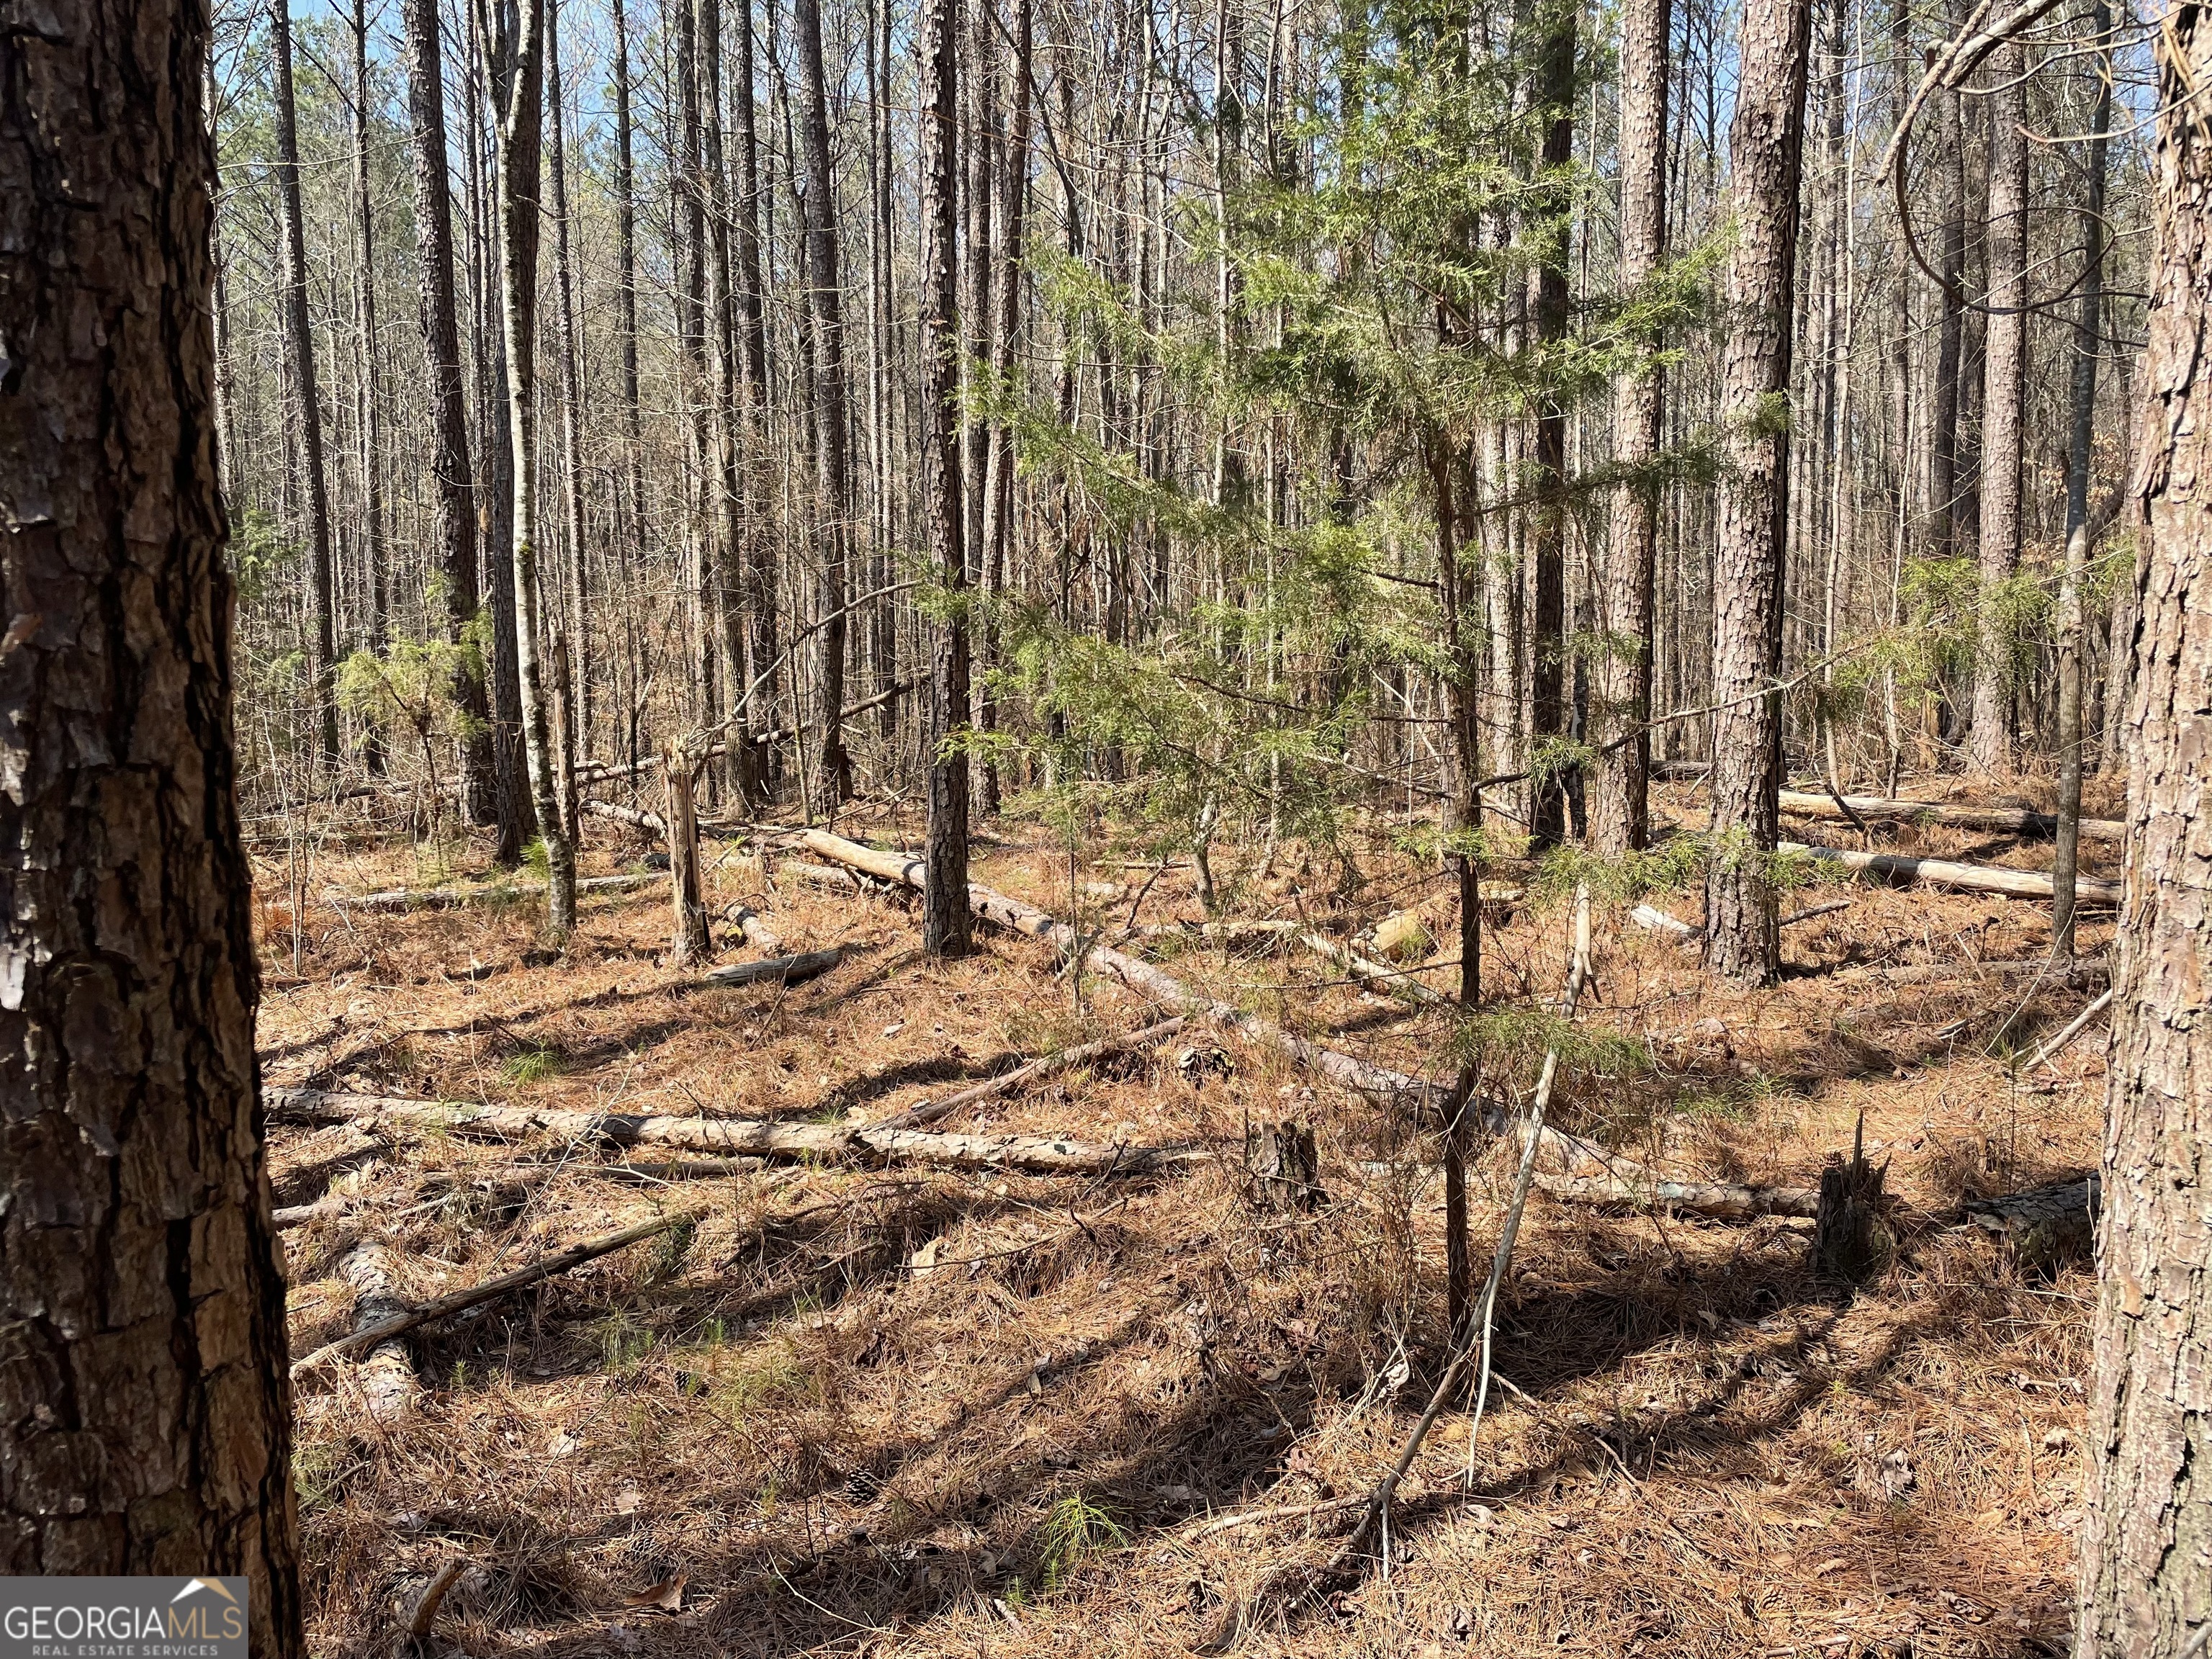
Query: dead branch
x=1883, y=808
x=433, y=1598
x=1374, y=1081
x=1719, y=1200
x=2082, y=971
x=1974, y=877
x=388, y=1384
x=1396, y=981
x=383, y=1330
x=782, y=970
x=925, y=1112
x=736, y=1137
x=2081, y=1024
x=447, y=898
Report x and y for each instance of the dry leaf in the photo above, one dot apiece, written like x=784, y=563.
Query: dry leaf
x=667, y=1596
x=925, y=1258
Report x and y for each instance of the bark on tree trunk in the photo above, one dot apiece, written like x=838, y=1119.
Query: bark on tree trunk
x=320, y=642
x=143, y=1371
x=1620, y=818
x=2004, y=384
x=2146, y=1587
x=1766, y=143
x=1547, y=640
x=944, y=919
x=519, y=75
x=455, y=522
x=833, y=766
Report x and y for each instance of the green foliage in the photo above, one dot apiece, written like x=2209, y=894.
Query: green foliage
x=261, y=554
x=1510, y=1042
x=532, y=1065
x=1075, y=1527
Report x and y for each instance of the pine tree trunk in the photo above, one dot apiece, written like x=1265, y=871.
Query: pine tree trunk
x=1943, y=513
x=2081, y=459
x=143, y=1374
x=377, y=574
x=833, y=766
x=320, y=640
x=1767, y=139
x=2004, y=385
x=1621, y=819
x=723, y=528
x=632, y=535
x=2146, y=1584
x=576, y=697
x=945, y=914
x=764, y=677
x=520, y=90
x=1547, y=600
x=454, y=508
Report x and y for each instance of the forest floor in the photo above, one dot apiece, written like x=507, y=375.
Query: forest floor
x=916, y=1411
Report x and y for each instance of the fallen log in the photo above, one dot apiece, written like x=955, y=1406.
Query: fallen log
x=1658, y=921
x=748, y=923
x=1885, y=809
x=2082, y=971
x=2045, y=1228
x=1396, y=981
x=927, y=1111
x=449, y=898
x=1720, y=1199
x=782, y=970
x=1943, y=873
x=388, y=1383
x=370, y=1336
x=734, y=1137
x=1376, y=1082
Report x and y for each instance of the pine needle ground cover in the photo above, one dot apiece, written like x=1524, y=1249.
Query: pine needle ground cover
x=915, y=1410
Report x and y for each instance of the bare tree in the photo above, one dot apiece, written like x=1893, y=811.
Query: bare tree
x=454, y=508
x=518, y=82
x=1766, y=141
x=320, y=640
x=144, y=1384
x=945, y=922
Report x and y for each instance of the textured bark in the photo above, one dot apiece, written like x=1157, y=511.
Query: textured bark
x=2080, y=461
x=2146, y=1551
x=455, y=521
x=1765, y=142
x=687, y=940
x=726, y=576
x=2004, y=386
x=521, y=145
x=763, y=671
x=945, y=927
x=321, y=643
x=145, y=1420
x=1620, y=816
x=833, y=766
x=1547, y=643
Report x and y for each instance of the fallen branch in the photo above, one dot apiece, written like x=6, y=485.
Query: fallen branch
x=2081, y=1024
x=388, y=1383
x=433, y=1598
x=1884, y=808
x=734, y=1137
x=444, y=1307
x=1396, y=981
x=1975, y=878
x=1722, y=1201
x=748, y=923
x=1374, y=1081
x=783, y=970
x=925, y=1112
x=2082, y=971
x=448, y=898
x=1650, y=916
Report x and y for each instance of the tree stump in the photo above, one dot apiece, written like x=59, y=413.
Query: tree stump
x=1849, y=1238
x=1284, y=1168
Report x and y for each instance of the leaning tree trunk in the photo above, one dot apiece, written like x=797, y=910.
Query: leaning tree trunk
x=1766, y=142
x=321, y=642
x=944, y=920
x=2146, y=1586
x=2004, y=384
x=143, y=1374
x=521, y=144
x=1620, y=817
x=455, y=521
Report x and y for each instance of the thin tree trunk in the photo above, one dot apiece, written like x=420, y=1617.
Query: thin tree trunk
x=2146, y=1589
x=377, y=573
x=724, y=526
x=2004, y=386
x=1620, y=820
x=454, y=519
x=1766, y=142
x=149, y=1413
x=628, y=539
x=519, y=79
x=1547, y=613
x=833, y=767
x=763, y=655
x=2089, y=321
x=320, y=635
x=568, y=638
x=945, y=916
